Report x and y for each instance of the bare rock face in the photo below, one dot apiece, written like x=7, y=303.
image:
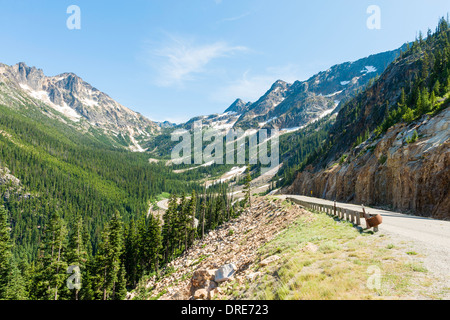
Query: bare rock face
x=411, y=177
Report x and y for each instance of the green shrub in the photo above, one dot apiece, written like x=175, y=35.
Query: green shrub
x=413, y=138
x=382, y=159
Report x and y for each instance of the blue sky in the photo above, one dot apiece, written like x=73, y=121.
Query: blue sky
x=175, y=59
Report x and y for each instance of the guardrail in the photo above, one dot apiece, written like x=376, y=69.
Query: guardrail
x=334, y=210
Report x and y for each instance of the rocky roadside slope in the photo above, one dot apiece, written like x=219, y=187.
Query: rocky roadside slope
x=226, y=253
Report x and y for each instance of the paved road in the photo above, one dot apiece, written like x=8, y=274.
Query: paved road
x=163, y=204
x=429, y=236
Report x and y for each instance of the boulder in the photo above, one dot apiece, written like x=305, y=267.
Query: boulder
x=311, y=247
x=201, y=294
x=269, y=260
x=225, y=273
x=201, y=277
x=252, y=276
x=213, y=293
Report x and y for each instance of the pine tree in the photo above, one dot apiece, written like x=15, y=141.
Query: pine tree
x=402, y=104
x=203, y=210
x=153, y=244
x=169, y=231
x=437, y=88
x=109, y=256
x=5, y=251
x=184, y=222
x=16, y=286
x=77, y=254
x=121, y=286
x=190, y=225
x=432, y=100
x=133, y=256
x=247, y=188
x=51, y=272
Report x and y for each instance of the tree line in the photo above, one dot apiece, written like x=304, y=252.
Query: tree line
x=126, y=251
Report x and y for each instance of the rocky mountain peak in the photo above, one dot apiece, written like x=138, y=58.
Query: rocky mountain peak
x=238, y=106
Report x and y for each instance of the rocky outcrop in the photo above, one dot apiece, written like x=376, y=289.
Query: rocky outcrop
x=238, y=106
x=6, y=178
x=394, y=171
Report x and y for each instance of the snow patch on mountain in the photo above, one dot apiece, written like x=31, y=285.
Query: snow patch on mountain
x=261, y=124
x=333, y=94
x=43, y=96
x=369, y=69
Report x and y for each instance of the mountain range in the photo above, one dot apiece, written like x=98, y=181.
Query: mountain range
x=287, y=106
x=73, y=101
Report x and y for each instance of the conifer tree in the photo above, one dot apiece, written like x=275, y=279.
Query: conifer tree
x=51, y=272
x=77, y=254
x=15, y=284
x=203, y=209
x=121, y=286
x=109, y=256
x=153, y=243
x=133, y=257
x=5, y=251
x=247, y=188
x=191, y=218
x=169, y=228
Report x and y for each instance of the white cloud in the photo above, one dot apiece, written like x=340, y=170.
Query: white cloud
x=180, y=59
x=235, y=18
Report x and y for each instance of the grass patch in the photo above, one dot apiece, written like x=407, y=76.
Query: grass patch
x=416, y=267
x=326, y=259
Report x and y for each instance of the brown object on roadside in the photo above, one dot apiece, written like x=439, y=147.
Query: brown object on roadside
x=374, y=221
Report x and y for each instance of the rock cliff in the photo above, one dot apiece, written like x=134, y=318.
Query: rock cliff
x=394, y=171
